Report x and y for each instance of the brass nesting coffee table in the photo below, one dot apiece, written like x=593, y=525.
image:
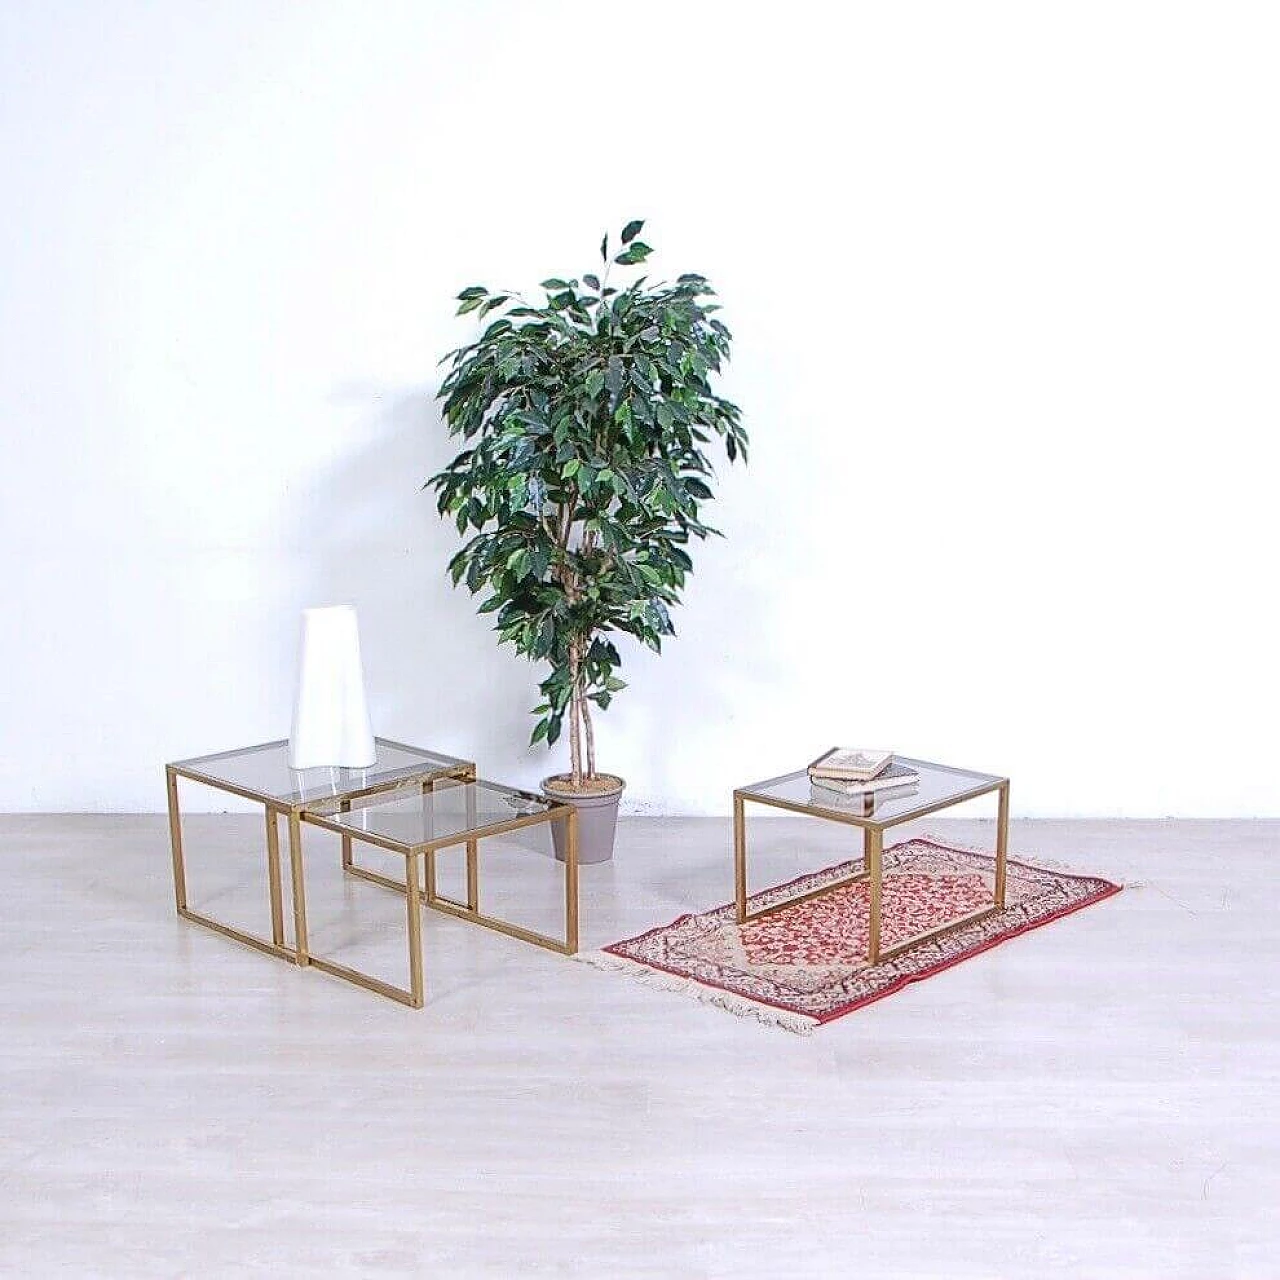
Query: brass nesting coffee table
x=940, y=787
x=411, y=801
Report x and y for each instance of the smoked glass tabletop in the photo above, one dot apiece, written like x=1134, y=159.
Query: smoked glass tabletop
x=447, y=812
x=939, y=785
x=263, y=772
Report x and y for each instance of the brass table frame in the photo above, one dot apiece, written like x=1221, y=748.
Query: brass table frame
x=872, y=850
x=292, y=812
x=417, y=894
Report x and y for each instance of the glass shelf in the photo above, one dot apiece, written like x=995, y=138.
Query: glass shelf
x=446, y=812
x=263, y=772
x=940, y=785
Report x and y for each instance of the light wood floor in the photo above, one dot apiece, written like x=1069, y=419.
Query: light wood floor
x=1097, y=1098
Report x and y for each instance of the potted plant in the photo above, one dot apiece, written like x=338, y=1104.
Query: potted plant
x=586, y=418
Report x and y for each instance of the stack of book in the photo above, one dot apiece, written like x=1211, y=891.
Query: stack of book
x=860, y=775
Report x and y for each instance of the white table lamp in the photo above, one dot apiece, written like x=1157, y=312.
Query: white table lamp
x=331, y=714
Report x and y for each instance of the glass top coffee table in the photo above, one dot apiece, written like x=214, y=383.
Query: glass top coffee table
x=261, y=773
x=940, y=787
x=410, y=801
x=417, y=819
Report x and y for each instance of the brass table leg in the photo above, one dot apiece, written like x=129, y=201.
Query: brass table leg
x=345, y=807
x=415, y=930
x=473, y=869
x=175, y=842
x=273, y=878
x=1002, y=844
x=571, y=884
x=428, y=825
x=299, y=888
x=473, y=876
x=739, y=858
x=872, y=847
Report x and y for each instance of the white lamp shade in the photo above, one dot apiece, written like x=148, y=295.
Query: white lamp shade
x=331, y=714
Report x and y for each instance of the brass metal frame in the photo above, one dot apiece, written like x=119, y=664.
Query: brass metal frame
x=418, y=858
x=277, y=945
x=273, y=946
x=469, y=837
x=872, y=857
x=414, y=995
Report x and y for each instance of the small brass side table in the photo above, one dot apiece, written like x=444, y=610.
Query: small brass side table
x=416, y=820
x=940, y=787
x=262, y=774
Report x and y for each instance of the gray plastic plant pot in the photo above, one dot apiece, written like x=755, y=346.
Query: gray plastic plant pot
x=597, y=820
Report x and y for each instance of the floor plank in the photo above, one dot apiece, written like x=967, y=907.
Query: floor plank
x=1096, y=1098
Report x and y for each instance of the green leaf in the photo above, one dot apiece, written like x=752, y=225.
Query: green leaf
x=613, y=377
x=555, y=283
x=604, y=248
x=638, y=252
x=630, y=231
x=593, y=281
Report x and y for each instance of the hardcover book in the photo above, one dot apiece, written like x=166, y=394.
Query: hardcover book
x=894, y=775
x=854, y=764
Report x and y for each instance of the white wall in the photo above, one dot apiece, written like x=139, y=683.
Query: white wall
x=1004, y=281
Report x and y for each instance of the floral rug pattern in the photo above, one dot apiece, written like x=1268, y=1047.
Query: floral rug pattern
x=806, y=964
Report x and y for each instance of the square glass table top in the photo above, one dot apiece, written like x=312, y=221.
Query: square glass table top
x=448, y=812
x=940, y=785
x=263, y=772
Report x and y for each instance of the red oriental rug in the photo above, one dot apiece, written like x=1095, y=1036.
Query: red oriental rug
x=806, y=965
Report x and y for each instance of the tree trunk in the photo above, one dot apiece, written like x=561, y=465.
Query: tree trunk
x=591, y=739
x=575, y=714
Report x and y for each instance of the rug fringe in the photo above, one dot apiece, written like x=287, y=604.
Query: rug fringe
x=741, y=1006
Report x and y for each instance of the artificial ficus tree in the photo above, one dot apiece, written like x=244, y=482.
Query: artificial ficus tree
x=586, y=419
